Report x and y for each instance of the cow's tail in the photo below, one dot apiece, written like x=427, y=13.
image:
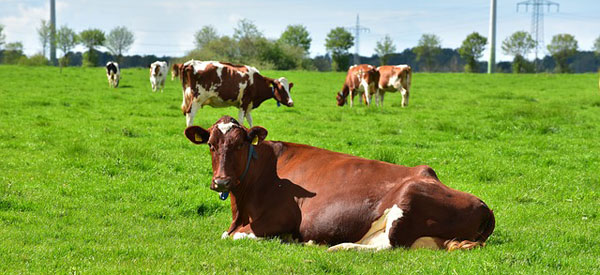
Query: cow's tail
x=485, y=230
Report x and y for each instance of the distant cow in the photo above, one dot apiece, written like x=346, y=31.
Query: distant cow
x=175, y=70
x=113, y=74
x=360, y=79
x=315, y=195
x=158, y=75
x=393, y=79
x=220, y=84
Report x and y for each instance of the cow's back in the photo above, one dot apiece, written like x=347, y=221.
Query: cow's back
x=345, y=187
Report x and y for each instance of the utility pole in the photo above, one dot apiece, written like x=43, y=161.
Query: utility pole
x=492, y=60
x=52, y=33
x=537, y=22
x=357, y=30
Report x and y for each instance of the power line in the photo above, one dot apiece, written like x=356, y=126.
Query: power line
x=357, y=30
x=537, y=21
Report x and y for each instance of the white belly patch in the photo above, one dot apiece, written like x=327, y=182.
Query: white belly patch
x=377, y=238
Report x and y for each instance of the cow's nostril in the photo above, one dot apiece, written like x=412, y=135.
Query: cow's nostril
x=222, y=182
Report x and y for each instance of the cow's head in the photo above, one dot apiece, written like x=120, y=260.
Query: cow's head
x=341, y=98
x=281, y=91
x=229, y=143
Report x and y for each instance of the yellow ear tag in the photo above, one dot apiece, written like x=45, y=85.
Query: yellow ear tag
x=255, y=141
x=197, y=137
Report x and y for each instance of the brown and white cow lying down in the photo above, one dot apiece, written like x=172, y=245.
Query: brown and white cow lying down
x=393, y=79
x=220, y=84
x=360, y=79
x=315, y=195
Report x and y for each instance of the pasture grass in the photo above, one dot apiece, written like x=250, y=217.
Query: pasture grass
x=100, y=180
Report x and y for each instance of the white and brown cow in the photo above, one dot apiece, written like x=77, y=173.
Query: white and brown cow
x=314, y=195
x=158, y=75
x=361, y=79
x=220, y=84
x=175, y=70
x=113, y=73
x=393, y=79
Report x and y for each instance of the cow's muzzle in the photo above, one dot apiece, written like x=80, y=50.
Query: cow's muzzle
x=221, y=184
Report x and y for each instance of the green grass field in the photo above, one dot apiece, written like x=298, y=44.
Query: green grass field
x=100, y=180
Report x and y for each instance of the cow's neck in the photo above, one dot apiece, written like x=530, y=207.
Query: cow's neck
x=247, y=199
x=264, y=91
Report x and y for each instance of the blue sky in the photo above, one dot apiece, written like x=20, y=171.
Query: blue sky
x=167, y=27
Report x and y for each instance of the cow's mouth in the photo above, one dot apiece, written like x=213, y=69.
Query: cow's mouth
x=219, y=188
x=221, y=185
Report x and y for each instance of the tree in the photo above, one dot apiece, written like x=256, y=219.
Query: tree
x=519, y=45
x=297, y=36
x=224, y=49
x=205, y=35
x=561, y=48
x=428, y=48
x=248, y=38
x=90, y=39
x=44, y=35
x=118, y=41
x=66, y=39
x=338, y=41
x=12, y=53
x=2, y=36
x=596, y=46
x=246, y=30
x=471, y=50
x=384, y=48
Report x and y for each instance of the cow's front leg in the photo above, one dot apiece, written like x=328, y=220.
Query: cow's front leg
x=190, y=116
x=244, y=232
x=367, y=89
x=241, y=115
x=249, y=118
x=351, y=98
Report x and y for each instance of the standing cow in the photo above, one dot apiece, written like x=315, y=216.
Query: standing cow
x=311, y=194
x=113, y=74
x=393, y=79
x=158, y=75
x=220, y=84
x=175, y=70
x=360, y=79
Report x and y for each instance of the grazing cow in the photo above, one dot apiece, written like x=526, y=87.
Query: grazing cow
x=319, y=196
x=220, y=84
x=360, y=79
x=158, y=75
x=175, y=70
x=113, y=74
x=393, y=79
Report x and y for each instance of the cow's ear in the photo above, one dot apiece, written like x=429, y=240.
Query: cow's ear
x=257, y=134
x=197, y=135
x=291, y=85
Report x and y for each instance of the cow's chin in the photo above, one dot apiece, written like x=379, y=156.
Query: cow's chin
x=287, y=104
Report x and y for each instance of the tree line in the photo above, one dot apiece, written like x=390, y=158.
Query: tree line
x=291, y=51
